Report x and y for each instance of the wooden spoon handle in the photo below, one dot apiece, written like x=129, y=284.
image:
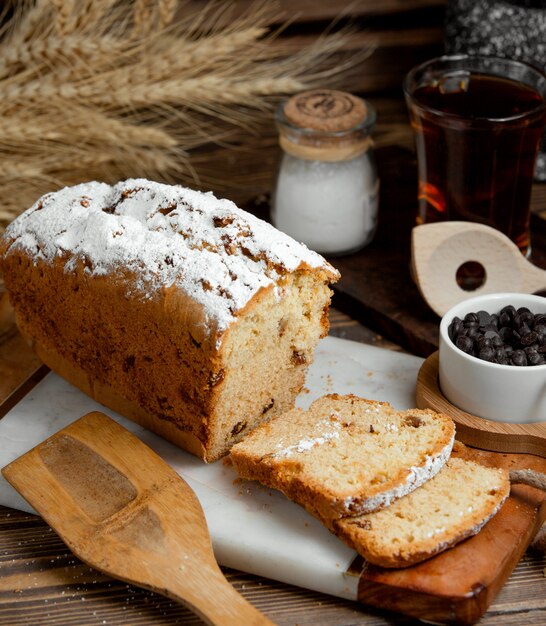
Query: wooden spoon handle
x=534, y=278
x=217, y=602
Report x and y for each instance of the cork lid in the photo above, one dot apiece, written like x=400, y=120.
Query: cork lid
x=325, y=110
x=325, y=125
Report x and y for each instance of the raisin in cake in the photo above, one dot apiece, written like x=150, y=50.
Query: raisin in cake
x=168, y=305
x=346, y=455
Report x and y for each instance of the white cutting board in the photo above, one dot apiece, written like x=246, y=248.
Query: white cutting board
x=253, y=529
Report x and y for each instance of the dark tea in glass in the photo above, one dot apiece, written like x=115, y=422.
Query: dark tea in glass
x=478, y=122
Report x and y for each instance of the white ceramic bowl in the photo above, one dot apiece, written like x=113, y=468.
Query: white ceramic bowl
x=503, y=393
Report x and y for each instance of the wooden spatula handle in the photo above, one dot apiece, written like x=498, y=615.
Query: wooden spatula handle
x=217, y=602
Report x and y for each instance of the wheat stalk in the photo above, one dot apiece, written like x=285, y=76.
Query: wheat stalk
x=72, y=52
x=167, y=9
x=65, y=14
x=108, y=89
x=30, y=19
x=143, y=15
x=94, y=12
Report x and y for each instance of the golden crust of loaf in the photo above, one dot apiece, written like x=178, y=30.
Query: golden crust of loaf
x=163, y=303
x=452, y=506
x=346, y=455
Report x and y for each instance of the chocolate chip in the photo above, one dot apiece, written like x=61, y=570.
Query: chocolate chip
x=497, y=342
x=510, y=337
x=519, y=358
x=483, y=342
x=505, y=317
x=455, y=328
x=464, y=343
x=540, y=330
x=534, y=358
x=529, y=338
x=500, y=356
x=483, y=318
x=487, y=353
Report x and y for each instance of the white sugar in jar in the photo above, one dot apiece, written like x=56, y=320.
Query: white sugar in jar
x=326, y=192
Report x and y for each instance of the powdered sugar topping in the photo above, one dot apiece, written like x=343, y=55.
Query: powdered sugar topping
x=164, y=235
x=328, y=430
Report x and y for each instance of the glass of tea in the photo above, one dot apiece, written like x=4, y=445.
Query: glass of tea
x=478, y=122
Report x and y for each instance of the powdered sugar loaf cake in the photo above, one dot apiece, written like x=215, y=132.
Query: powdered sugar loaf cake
x=168, y=305
x=346, y=455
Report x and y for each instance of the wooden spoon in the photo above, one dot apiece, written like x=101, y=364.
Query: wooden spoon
x=438, y=251
x=122, y=510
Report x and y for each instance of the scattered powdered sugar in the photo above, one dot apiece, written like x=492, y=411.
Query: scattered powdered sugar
x=308, y=443
x=435, y=531
x=476, y=529
x=218, y=254
x=393, y=428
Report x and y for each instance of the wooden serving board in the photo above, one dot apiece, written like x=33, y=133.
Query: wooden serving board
x=259, y=531
x=458, y=585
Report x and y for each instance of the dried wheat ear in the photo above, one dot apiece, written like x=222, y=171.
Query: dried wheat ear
x=106, y=90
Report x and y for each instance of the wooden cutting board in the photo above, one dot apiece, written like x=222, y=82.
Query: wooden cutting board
x=259, y=531
x=458, y=585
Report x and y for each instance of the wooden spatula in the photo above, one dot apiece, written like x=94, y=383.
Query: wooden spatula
x=122, y=510
x=439, y=250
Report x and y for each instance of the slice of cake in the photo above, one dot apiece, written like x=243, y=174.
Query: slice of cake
x=453, y=505
x=346, y=455
x=170, y=306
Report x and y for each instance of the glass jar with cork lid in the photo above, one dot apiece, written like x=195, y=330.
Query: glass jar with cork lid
x=326, y=192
